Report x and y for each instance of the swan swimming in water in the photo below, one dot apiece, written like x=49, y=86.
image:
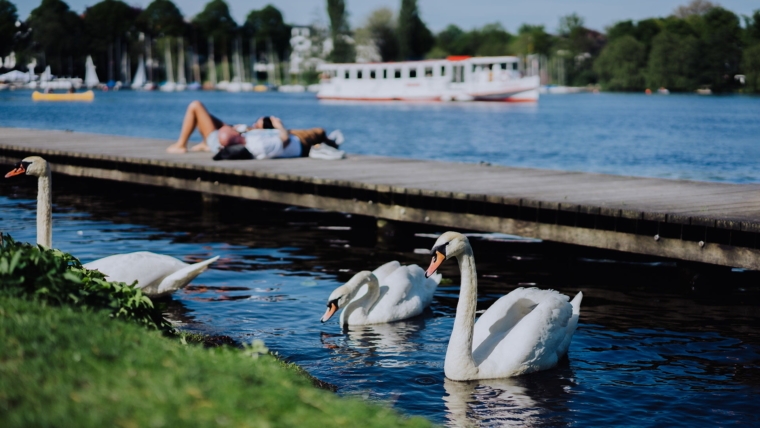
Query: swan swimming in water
x=394, y=293
x=156, y=274
x=525, y=331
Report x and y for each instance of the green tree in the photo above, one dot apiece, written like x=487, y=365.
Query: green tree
x=414, y=38
x=57, y=33
x=674, y=62
x=450, y=41
x=381, y=28
x=343, y=49
x=620, y=29
x=532, y=39
x=751, y=68
x=215, y=21
x=267, y=25
x=108, y=26
x=161, y=18
x=8, y=29
x=621, y=63
x=752, y=28
x=492, y=40
x=721, y=38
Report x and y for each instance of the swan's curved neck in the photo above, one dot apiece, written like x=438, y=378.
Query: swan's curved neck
x=459, y=364
x=45, y=210
x=365, y=303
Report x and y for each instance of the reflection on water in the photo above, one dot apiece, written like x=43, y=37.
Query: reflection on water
x=651, y=349
x=379, y=344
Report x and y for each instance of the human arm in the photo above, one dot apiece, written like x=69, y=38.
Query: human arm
x=277, y=124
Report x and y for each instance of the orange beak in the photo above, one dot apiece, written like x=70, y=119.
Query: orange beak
x=438, y=258
x=16, y=171
x=330, y=311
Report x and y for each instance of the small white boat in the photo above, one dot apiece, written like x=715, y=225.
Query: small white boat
x=457, y=78
x=90, y=77
x=292, y=88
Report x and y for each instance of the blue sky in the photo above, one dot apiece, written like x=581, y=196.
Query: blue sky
x=439, y=13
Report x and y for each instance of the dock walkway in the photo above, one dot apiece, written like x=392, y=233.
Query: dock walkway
x=715, y=223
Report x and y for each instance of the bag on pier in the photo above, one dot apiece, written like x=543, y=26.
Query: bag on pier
x=233, y=152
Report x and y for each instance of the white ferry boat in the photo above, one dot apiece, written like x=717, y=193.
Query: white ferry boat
x=456, y=78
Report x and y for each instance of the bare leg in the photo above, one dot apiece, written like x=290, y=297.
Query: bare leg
x=196, y=116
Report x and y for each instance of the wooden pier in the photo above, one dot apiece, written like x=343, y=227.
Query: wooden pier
x=713, y=223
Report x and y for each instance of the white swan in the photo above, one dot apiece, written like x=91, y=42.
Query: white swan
x=525, y=331
x=393, y=293
x=156, y=274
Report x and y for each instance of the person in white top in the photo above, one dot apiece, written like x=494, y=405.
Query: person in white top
x=267, y=138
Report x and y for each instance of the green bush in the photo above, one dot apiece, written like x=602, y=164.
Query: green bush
x=58, y=278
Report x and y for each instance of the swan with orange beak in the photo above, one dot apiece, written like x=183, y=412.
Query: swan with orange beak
x=524, y=331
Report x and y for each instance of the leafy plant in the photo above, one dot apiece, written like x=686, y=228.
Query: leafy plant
x=60, y=279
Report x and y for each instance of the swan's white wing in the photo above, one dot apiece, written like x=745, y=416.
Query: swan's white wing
x=149, y=269
x=182, y=277
x=521, y=333
x=383, y=271
x=571, y=325
x=403, y=294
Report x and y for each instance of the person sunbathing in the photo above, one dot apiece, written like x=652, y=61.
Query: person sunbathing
x=267, y=138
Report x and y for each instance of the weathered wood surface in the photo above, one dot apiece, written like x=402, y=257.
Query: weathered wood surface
x=697, y=221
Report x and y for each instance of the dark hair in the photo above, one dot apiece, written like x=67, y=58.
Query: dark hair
x=267, y=123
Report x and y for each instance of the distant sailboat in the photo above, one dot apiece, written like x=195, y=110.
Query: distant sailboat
x=181, y=82
x=90, y=77
x=140, y=79
x=169, y=86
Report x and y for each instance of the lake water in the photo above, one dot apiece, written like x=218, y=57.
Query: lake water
x=650, y=350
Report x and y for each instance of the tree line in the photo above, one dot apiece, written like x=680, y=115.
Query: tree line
x=701, y=45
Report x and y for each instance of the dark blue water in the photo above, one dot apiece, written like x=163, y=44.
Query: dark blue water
x=676, y=136
x=651, y=350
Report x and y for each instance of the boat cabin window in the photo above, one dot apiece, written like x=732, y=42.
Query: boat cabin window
x=413, y=73
x=359, y=74
x=514, y=66
x=503, y=65
x=428, y=71
x=372, y=74
x=443, y=70
x=347, y=74
x=397, y=73
x=385, y=73
x=458, y=75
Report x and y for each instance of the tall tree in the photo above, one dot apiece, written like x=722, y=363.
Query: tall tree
x=381, y=26
x=721, y=37
x=674, y=62
x=532, y=39
x=695, y=7
x=343, y=48
x=267, y=25
x=751, y=68
x=161, y=18
x=414, y=38
x=108, y=25
x=621, y=63
x=8, y=29
x=57, y=34
x=215, y=21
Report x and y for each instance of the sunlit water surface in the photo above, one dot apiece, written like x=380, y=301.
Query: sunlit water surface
x=649, y=351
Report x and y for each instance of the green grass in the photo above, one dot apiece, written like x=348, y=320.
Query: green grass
x=62, y=366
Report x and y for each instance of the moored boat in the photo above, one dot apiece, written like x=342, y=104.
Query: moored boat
x=71, y=96
x=459, y=78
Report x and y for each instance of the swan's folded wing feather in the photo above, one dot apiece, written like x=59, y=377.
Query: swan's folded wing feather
x=533, y=343
x=386, y=269
x=182, y=277
x=147, y=268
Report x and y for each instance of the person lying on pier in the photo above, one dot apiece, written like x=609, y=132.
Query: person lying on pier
x=267, y=138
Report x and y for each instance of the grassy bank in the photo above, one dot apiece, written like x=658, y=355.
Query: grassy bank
x=62, y=366
x=76, y=350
